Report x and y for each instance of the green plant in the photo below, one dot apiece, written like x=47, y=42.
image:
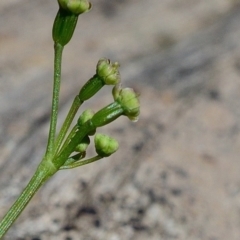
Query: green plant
x=68, y=149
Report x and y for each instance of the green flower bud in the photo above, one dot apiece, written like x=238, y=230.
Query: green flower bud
x=108, y=71
x=75, y=6
x=105, y=145
x=85, y=116
x=107, y=114
x=66, y=19
x=106, y=74
x=82, y=147
x=129, y=101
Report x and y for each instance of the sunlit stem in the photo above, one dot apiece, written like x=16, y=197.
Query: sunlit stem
x=65, y=127
x=81, y=163
x=43, y=172
x=55, y=100
x=68, y=139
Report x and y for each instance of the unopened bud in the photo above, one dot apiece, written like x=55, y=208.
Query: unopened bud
x=84, y=117
x=129, y=101
x=105, y=145
x=75, y=6
x=82, y=147
x=66, y=19
x=106, y=74
x=108, y=71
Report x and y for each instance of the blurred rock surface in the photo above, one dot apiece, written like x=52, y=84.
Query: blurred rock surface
x=176, y=175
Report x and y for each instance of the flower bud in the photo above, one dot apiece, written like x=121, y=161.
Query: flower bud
x=129, y=101
x=82, y=147
x=85, y=116
x=75, y=6
x=106, y=74
x=108, y=71
x=66, y=19
x=105, y=145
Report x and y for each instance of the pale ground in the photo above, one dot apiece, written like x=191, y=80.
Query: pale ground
x=176, y=175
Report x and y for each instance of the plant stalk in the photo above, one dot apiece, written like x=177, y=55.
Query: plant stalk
x=71, y=114
x=81, y=163
x=43, y=172
x=58, y=49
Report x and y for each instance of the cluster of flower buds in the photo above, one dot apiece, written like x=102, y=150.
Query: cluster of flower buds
x=126, y=102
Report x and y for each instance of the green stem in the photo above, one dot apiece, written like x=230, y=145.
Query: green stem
x=67, y=149
x=55, y=100
x=43, y=172
x=81, y=162
x=67, y=140
x=71, y=114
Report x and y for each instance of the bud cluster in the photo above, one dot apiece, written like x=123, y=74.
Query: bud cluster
x=126, y=102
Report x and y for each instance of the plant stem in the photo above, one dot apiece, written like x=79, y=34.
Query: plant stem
x=71, y=114
x=43, y=172
x=65, y=152
x=68, y=139
x=58, y=49
x=81, y=163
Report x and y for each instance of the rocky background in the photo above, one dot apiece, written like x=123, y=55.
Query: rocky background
x=176, y=175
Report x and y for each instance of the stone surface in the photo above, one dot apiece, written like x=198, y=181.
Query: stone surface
x=176, y=175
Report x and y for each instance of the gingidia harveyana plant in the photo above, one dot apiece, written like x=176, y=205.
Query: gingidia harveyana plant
x=67, y=149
